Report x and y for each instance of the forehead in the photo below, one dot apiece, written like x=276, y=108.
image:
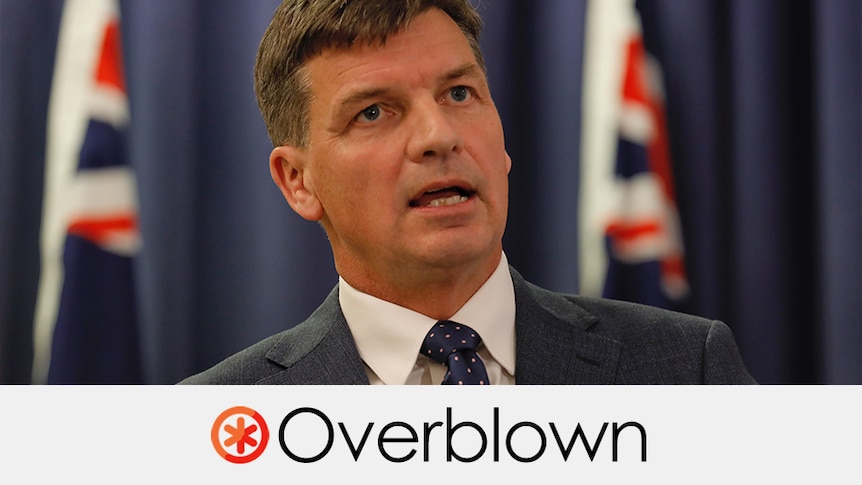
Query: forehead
x=430, y=45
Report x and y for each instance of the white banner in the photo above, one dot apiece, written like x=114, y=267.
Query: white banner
x=171, y=434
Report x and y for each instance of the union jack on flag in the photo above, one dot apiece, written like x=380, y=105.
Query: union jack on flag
x=86, y=324
x=631, y=241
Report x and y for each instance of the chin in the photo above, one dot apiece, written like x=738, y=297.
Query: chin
x=458, y=255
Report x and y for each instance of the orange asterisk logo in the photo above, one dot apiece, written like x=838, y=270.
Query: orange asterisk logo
x=239, y=436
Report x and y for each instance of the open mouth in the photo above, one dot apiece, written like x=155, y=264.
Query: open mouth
x=442, y=197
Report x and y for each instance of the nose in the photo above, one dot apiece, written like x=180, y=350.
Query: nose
x=433, y=135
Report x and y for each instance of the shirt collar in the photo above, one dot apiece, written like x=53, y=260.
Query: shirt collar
x=388, y=336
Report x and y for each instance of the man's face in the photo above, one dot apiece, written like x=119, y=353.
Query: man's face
x=406, y=166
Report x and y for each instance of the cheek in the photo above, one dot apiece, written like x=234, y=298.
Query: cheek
x=498, y=167
x=494, y=155
x=358, y=186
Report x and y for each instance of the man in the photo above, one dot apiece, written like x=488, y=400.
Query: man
x=386, y=134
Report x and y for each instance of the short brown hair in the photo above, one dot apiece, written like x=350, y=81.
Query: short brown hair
x=302, y=29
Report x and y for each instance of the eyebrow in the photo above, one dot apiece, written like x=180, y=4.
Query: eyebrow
x=358, y=97
x=467, y=70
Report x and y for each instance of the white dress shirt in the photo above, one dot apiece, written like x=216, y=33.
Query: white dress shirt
x=388, y=336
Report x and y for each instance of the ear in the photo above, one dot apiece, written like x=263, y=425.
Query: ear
x=289, y=170
x=508, y=162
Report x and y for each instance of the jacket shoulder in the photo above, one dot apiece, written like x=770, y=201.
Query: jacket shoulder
x=661, y=346
x=319, y=350
x=247, y=366
x=657, y=346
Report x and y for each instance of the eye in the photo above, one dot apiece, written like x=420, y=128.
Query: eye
x=459, y=94
x=371, y=113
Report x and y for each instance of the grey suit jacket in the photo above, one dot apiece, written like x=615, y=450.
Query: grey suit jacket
x=560, y=339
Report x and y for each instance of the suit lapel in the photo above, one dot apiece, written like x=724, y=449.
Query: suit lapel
x=318, y=351
x=553, y=342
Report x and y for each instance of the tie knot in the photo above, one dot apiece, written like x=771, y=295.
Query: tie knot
x=454, y=345
x=447, y=337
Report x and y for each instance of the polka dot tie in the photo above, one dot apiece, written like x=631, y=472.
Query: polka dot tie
x=454, y=345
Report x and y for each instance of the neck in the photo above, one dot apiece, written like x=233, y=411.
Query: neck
x=435, y=291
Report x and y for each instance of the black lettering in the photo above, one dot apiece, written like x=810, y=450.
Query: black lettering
x=541, y=436
x=450, y=431
x=355, y=451
x=383, y=439
x=618, y=429
x=496, y=434
x=329, y=429
x=428, y=428
x=591, y=450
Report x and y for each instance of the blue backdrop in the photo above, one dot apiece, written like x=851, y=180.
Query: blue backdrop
x=764, y=100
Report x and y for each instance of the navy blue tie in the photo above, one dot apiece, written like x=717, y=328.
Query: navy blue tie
x=454, y=345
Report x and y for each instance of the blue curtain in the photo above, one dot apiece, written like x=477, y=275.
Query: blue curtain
x=764, y=101
x=764, y=106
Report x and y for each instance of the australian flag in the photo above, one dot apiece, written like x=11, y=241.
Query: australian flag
x=86, y=329
x=635, y=249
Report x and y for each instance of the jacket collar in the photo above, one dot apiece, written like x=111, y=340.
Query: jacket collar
x=553, y=344
x=319, y=350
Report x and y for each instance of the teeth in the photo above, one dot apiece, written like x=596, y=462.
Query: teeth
x=455, y=199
